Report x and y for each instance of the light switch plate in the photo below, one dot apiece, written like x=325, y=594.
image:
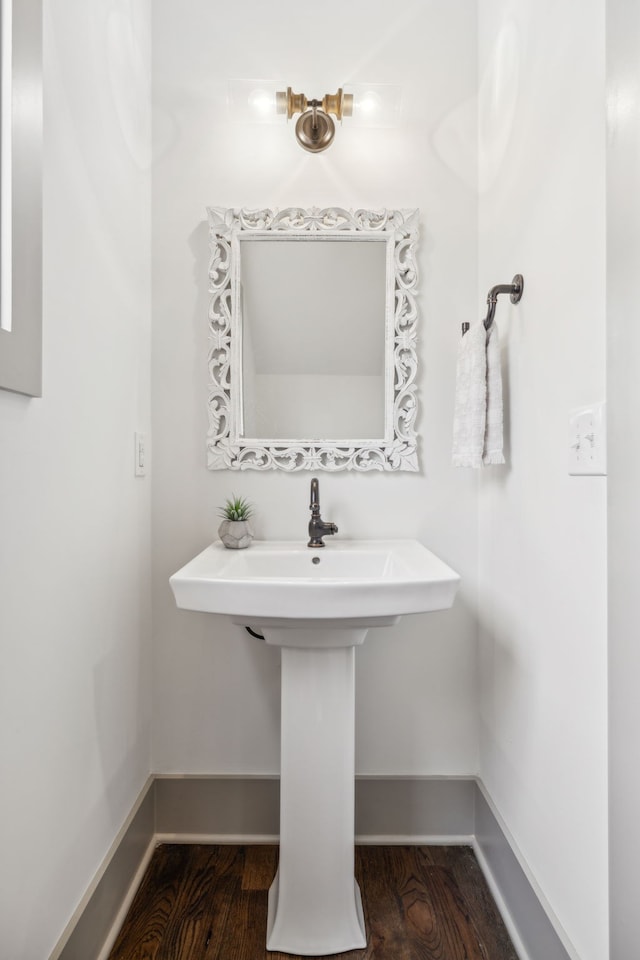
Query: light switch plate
x=140, y=463
x=588, y=441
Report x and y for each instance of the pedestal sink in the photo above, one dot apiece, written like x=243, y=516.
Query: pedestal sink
x=317, y=605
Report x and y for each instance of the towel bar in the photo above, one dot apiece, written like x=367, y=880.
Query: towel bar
x=514, y=289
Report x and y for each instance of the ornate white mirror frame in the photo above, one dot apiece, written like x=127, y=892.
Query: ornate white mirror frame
x=228, y=449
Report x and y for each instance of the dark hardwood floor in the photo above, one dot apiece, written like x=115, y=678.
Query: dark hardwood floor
x=201, y=902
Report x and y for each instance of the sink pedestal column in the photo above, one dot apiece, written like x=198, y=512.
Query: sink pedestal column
x=314, y=901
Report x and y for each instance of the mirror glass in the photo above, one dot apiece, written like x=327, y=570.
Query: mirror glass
x=299, y=301
x=21, y=197
x=312, y=339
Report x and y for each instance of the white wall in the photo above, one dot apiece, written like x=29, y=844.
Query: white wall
x=542, y=533
x=216, y=689
x=623, y=253
x=74, y=523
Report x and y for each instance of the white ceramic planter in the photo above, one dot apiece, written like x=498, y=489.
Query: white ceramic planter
x=235, y=534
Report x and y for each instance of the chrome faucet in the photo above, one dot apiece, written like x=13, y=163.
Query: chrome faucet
x=317, y=527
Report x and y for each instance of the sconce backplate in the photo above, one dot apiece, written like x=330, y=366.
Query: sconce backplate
x=315, y=130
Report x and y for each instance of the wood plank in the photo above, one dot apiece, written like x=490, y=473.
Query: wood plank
x=260, y=866
x=436, y=920
x=245, y=931
x=206, y=896
x=483, y=914
x=384, y=918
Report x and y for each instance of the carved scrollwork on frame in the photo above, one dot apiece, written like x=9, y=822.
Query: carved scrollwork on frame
x=228, y=448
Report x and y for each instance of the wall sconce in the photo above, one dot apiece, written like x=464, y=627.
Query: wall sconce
x=267, y=101
x=315, y=128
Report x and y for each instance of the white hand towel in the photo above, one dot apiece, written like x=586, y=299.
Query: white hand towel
x=492, y=452
x=477, y=423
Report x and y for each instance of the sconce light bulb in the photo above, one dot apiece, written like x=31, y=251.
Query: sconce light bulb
x=370, y=103
x=375, y=104
x=261, y=102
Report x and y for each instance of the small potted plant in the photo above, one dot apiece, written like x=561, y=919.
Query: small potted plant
x=235, y=530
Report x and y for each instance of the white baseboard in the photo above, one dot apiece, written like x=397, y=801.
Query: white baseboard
x=496, y=893
x=414, y=840
x=361, y=839
x=241, y=839
x=127, y=901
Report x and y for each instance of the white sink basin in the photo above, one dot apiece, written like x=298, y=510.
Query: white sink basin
x=277, y=581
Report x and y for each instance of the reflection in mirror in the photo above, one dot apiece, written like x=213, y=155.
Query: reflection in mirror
x=21, y=197
x=312, y=333
x=299, y=302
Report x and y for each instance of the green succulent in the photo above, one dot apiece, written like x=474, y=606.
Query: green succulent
x=236, y=508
